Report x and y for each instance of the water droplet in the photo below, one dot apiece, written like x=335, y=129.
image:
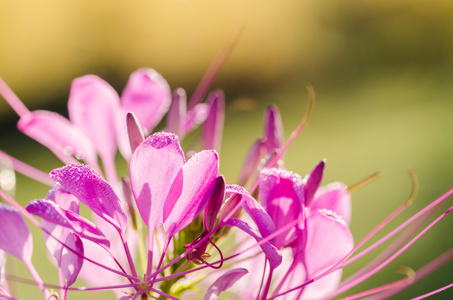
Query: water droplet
x=68, y=151
x=80, y=155
x=7, y=180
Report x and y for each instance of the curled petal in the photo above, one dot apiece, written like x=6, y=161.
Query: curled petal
x=148, y=95
x=190, y=191
x=154, y=166
x=92, y=190
x=59, y=135
x=272, y=254
x=15, y=237
x=224, y=282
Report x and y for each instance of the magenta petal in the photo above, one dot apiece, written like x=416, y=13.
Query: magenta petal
x=273, y=128
x=49, y=211
x=52, y=213
x=148, y=95
x=213, y=126
x=281, y=201
x=215, y=202
x=86, y=229
x=15, y=237
x=335, y=197
x=153, y=167
x=190, y=191
x=272, y=254
x=63, y=198
x=313, y=181
x=261, y=218
x=71, y=263
x=177, y=113
x=59, y=135
x=328, y=240
x=93, y=105
x=224, y=282
x=92, y=190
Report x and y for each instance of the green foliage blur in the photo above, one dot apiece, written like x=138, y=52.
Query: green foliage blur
x=382, y=72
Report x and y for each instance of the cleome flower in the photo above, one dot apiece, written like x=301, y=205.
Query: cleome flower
x=292, y=235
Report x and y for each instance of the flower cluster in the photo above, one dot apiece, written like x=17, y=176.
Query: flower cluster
x=285, y=237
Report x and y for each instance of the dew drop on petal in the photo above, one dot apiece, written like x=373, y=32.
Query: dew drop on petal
x=68, y=151
x=80, y=155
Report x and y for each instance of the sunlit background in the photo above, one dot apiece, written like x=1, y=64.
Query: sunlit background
x=382, y=72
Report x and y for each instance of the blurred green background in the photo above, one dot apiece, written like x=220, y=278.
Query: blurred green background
x=382, y=72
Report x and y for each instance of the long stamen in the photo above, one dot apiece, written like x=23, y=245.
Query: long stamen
x=363, y=182
x=433, y=292
x=410, y=276
x=419, y=274
x=390, y=259
x=12, y=99
x=27, y=170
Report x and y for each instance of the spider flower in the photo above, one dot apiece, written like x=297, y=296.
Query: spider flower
x=293, y=235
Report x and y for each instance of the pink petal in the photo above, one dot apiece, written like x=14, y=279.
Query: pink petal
x=313, y=181
x=272, y=254
x=195, y=117
x=261, y=218
x=71, y=263
x=148, y=95
x=213, y=126
x=224, y=282
x=280, y=200
x=190, y=191
x=92, y=190
x=93, y=105
x=335, y=197
x=273, y=128
x=52, y=213
x=63, y=198
x=15, y=237
x=49, y=211
x=153, y=167
x=328, y=240
x=59, y=135
x=177, y=113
